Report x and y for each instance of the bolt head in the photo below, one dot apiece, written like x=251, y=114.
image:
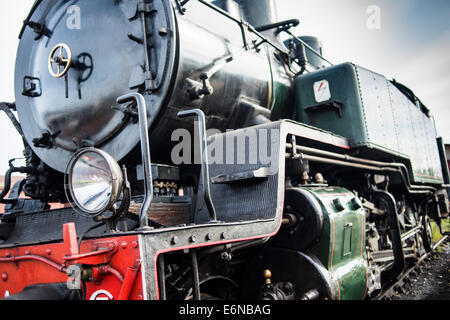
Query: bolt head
x=162, y=31
x=4, y=276
x=267, y=274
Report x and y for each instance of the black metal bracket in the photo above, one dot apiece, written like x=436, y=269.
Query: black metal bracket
x=129, y=112
x=180, y=5
x=244, y=25
x=198, y=90
x=135, y=39
x=46, y=140
x=336, y=105
x=280, y=26
x=204, y=158
x=399, y=257
x=31, y=87
x=22, y=205
x=25, y=22
x=143, y=9
x=39, y=28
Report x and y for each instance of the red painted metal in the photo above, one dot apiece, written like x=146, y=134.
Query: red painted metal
x=111, y=278
x=110, y=258
x=70, y=239
x=130, y=278
x=30, y=265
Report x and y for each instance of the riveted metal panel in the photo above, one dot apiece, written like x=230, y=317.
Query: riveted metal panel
x=381, y=128
x=403, y=121
x=433, y=167
x=417, y=138
x=374, y=115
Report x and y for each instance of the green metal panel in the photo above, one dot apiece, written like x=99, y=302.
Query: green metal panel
x=341, y=247
x=344, y=86
x=281, y=89
x=374, y=115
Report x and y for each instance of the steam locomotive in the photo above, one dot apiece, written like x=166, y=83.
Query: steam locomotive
x=198, y=155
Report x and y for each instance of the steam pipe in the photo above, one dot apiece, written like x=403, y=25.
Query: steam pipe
x=110, y=270
x=49, y=262
x=347, y=160
x=364, y=167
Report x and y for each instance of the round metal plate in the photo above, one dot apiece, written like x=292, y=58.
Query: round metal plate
x=80, y=107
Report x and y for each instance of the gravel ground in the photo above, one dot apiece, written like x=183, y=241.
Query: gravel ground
x=433, y=282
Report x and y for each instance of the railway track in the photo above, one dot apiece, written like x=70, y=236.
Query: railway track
x=396, y=287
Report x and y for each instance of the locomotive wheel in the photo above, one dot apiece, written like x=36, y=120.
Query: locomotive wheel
x=427, y=233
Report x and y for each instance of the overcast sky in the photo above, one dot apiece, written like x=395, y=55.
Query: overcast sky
x=408, y=40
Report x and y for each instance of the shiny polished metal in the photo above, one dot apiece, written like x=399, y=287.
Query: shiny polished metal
x=204, y=158
x=62, y=59
x=113, y=174
x=145, y=151
x=181, y=48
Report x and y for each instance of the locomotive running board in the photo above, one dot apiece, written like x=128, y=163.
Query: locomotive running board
x=248, y=210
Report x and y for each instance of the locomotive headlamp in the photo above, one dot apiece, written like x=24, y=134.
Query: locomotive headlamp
x=95, y=181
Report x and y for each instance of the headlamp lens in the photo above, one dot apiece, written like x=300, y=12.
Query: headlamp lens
x=91, y=182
